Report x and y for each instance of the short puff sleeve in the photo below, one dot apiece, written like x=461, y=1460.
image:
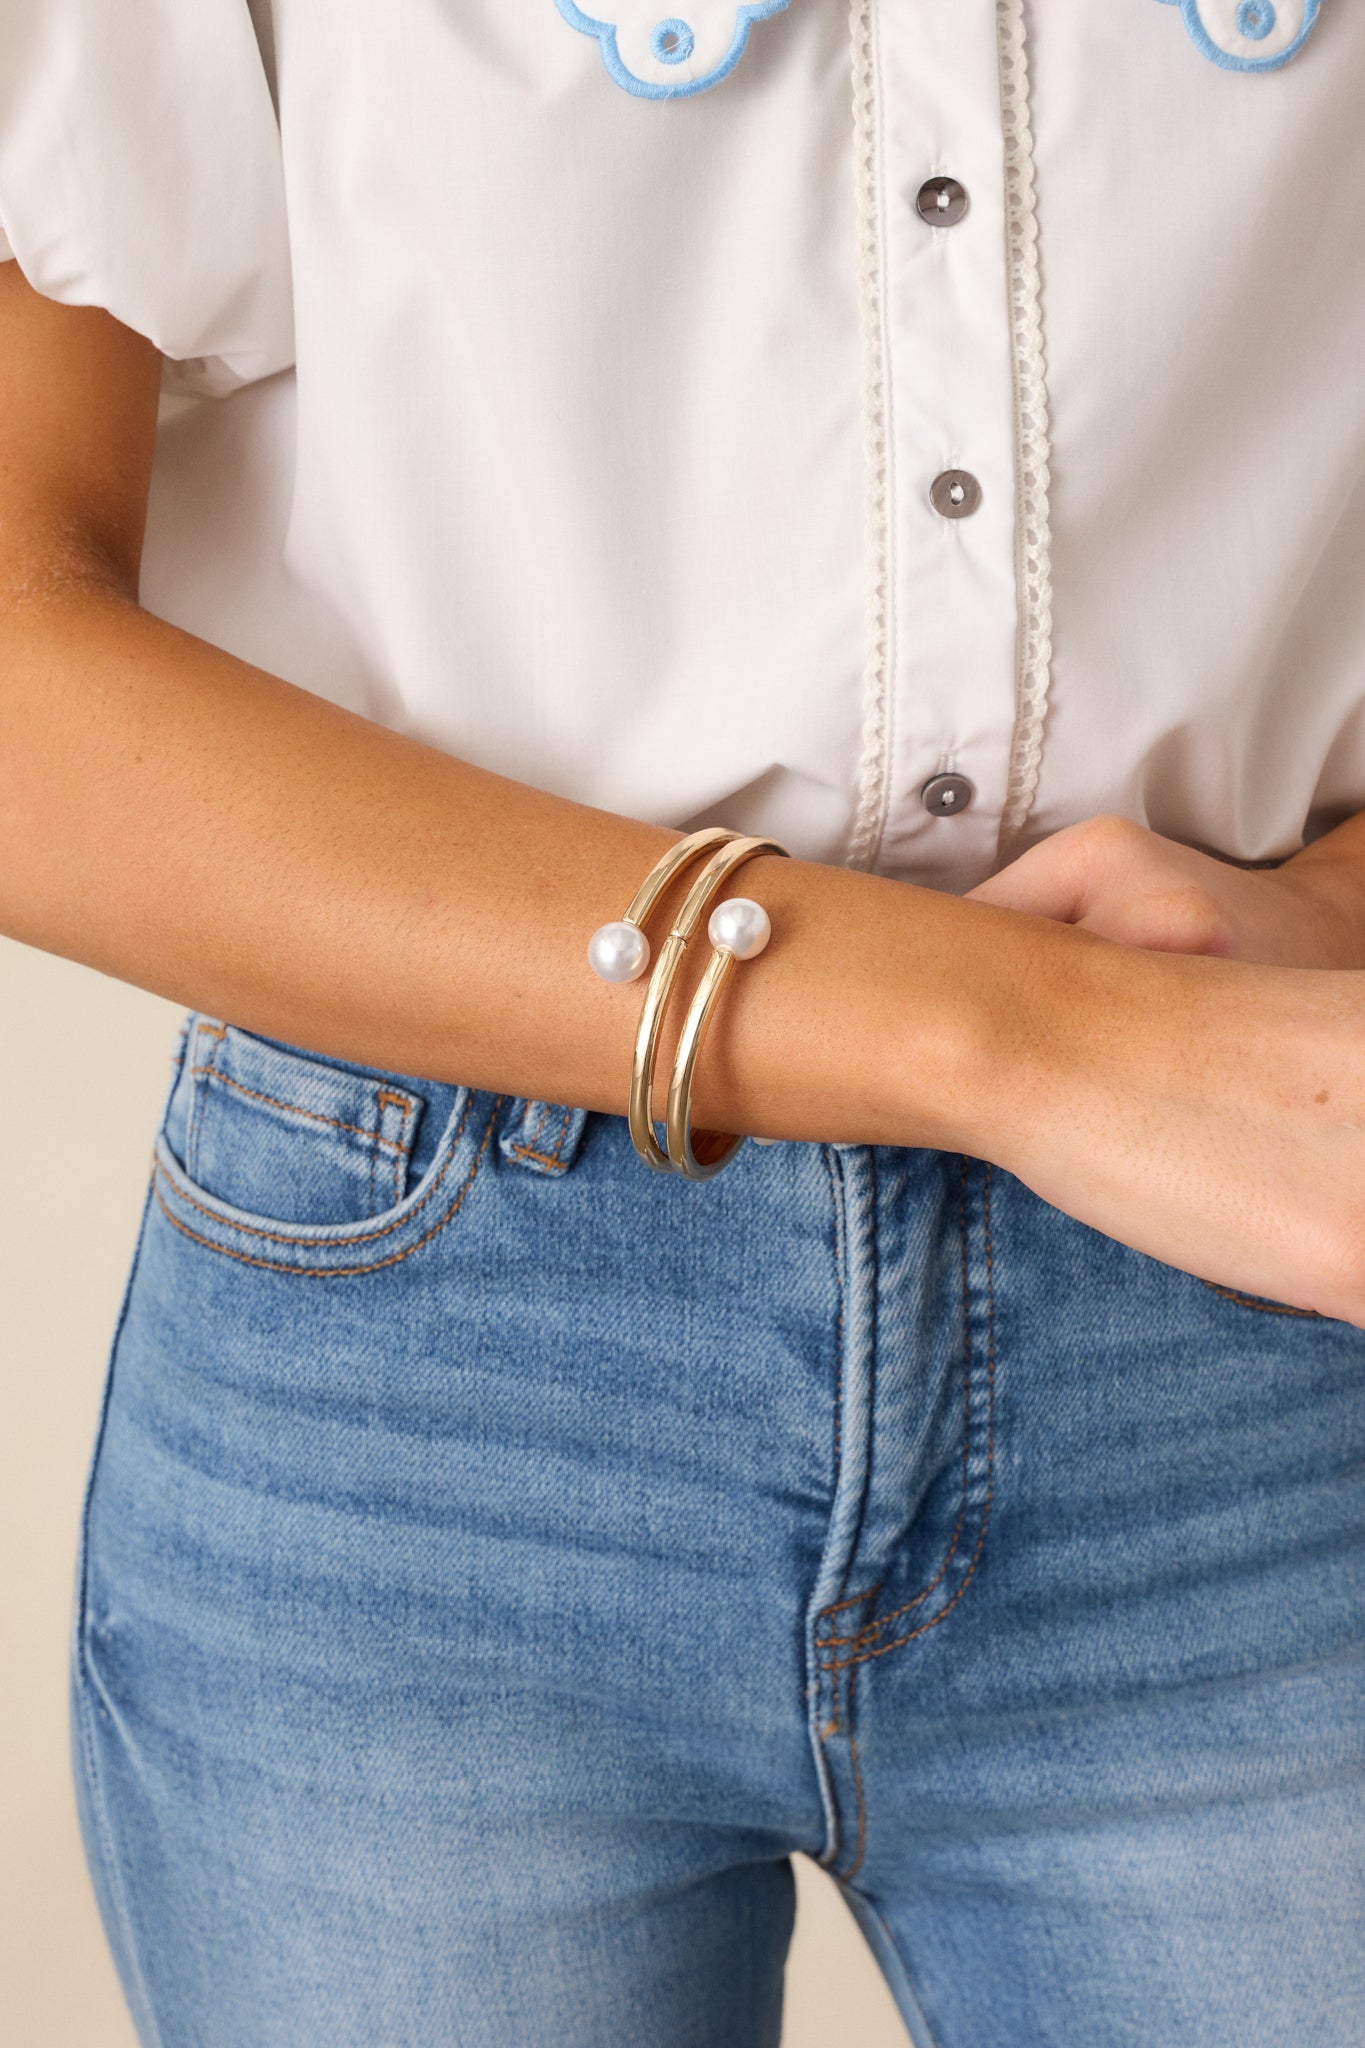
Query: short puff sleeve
x=140, y=170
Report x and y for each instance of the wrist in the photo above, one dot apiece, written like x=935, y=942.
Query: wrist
x=977, y=1028
x=871, y=1017
x=1049, y=1006
x=989, y=1013
x=883, y=1013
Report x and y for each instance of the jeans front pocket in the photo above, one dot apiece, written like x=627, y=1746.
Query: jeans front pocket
x=1264, y=1304
x=291, y=1162
x=280, y=1134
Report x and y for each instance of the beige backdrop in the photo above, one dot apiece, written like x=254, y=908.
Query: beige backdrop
x=85, y=1061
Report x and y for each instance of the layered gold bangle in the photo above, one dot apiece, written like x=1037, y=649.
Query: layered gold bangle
x=738, y=929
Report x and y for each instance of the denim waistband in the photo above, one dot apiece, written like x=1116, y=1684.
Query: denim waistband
x=381, y=1112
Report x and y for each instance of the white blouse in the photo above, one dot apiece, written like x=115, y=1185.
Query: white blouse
x=902, y=429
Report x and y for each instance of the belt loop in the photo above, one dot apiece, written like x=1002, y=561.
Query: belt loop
x=543, y=1137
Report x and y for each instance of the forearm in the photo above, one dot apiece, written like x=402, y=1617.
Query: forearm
x=184, y=821
x=179, y=819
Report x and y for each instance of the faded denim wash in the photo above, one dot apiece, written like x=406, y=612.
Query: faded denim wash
x=499, y=1560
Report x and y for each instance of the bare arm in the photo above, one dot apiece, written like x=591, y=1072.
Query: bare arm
x=180, y=819
x=185, y=821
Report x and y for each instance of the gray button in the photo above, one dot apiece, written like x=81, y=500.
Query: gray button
x=946, y=795
x=941, y=201
x=956, y=494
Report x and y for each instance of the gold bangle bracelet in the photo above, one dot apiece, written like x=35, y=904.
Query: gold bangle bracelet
x=701, y=1154
x=619, y=951
x=721, y=865
x=664, y=869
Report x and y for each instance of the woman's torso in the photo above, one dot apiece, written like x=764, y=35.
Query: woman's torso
x=607, y=457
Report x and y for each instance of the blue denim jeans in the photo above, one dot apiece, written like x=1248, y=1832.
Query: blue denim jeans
x=500, y=1559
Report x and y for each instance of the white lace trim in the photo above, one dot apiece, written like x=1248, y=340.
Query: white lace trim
x=1032, y=451
x=867, y=159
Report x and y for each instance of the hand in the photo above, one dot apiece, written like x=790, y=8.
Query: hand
x=1207, y=1113
x=1122, y=882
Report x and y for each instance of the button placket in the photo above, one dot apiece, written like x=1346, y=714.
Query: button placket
x=950, y=392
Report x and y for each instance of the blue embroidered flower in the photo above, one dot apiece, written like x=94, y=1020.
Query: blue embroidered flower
x=1249, y=35
x=672, y=41
x=1255, y=19
x=665, y=56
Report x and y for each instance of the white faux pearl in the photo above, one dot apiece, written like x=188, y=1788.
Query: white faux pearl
x=741, y=926
x=618, y=952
